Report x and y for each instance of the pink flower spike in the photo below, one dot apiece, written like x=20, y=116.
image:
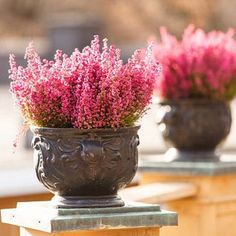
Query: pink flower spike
x=200, y=65
x=88, y=89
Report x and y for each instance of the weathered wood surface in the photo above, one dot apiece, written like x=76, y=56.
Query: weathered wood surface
x=10, y=202
x=211, y=212
x=117, y=232
x=159, y=192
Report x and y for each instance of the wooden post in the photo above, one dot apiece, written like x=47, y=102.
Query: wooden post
x=39, y=219
x=212, y=210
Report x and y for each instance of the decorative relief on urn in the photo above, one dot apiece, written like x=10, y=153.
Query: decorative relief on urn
x=194, y=128
x=85, y=164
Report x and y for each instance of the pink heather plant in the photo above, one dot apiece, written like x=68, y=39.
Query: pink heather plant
x=89, y=89
x=201, y=65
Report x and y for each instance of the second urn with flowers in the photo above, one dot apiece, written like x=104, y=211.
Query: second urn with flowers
x=83, y=110
x=198, y=82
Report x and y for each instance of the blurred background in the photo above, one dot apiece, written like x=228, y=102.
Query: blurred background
x=72, y=23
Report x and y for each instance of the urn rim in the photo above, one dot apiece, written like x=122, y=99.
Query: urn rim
x=64, y=131
x=198, y=101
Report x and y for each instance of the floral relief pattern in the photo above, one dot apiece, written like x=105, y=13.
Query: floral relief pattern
x=195, y=124
x=80, y=164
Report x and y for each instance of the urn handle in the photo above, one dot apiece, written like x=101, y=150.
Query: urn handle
x=35, y=141
x=137, y=140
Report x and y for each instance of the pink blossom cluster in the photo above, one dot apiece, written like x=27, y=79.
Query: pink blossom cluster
x=200, y=65
x=88, y=89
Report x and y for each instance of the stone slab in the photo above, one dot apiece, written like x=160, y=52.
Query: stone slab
x=40, y=216
x=157, y=163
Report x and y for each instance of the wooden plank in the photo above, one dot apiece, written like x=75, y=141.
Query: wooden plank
x=10, y=202
x=159, y=192
x=116, y=232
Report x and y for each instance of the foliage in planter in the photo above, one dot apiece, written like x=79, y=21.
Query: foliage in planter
x=88, y=89
x=200, y=65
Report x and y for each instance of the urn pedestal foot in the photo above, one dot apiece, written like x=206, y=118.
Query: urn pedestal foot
x=86, y=201
x=174, y=154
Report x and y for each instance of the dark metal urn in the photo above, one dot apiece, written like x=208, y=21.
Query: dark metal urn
x=194, y=128
x=85, y=168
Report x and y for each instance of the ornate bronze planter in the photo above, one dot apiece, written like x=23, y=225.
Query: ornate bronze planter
x=85, y=168
x=194, y=128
